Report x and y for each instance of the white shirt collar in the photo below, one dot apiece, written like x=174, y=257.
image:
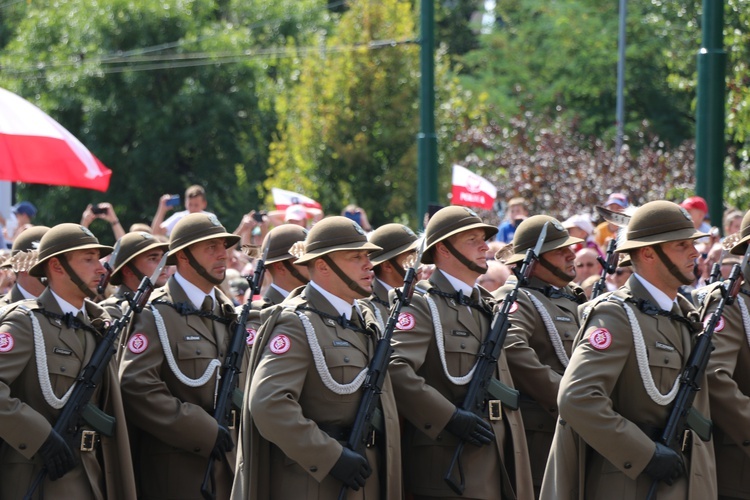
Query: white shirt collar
x=67, y=307
x=458, y=285
x=194, y=294
x=661, y=298
x=385, y=285
x=26, y=294
x=341, y=306
x=283, y=292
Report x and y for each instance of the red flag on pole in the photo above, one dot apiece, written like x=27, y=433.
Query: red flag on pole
x=471, y=190
x=34, y=148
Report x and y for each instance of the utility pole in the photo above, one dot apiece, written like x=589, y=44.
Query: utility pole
x=709, y=130
x=426, y=139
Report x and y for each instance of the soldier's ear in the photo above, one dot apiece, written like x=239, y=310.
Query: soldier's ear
x=54, y=266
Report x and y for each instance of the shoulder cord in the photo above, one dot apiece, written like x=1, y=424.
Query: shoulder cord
x=380, y=301
x=440, y=340
x=379, y=318
x=745, y=318
x=641, y=356
x=42, y=368
x=212, y=367
x=554, y=335
x=322, y=367
x=185, y=309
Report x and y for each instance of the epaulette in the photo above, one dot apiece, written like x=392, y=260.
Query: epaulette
x=590, y=305
x=420, y=290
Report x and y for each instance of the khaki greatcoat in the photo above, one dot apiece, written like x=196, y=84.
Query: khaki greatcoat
x=602, y=443
x=535, y=365
x=286, y=453
x=428, y=399
x=26, y=418
x=175, y=424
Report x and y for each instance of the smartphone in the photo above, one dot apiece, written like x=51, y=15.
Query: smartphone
x=173, y=200
x=97, y=210
x=355, y=216
x=258, y=216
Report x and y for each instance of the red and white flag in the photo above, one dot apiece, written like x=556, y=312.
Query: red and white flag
x=282, y=199
x=471, y=190
x=34, y=148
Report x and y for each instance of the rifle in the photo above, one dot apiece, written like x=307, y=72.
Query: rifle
x=373, y=384
x=682, y=414
x=108, y=269
x=609, y=266
x=228, y=395
x=483, y=383
x=78, y=409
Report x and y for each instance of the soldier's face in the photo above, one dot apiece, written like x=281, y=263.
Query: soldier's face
x=357, y=266
x=472, y=245
x=682, y=254
x=562, y=259
x=85, y=263
x=147, y=262
x=212, y=255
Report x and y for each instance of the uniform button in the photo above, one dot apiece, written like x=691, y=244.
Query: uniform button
x=440, y=437
x=22, y=446
x=221, y=354
x=566, y=335
x=196, y=450
x=666, y=361
x=346, y=359
x=428, y=426
x=197, y=351
x=313, y=469
x=463, y=346
x=62, y=368
x=628, y=465
x=746, y=442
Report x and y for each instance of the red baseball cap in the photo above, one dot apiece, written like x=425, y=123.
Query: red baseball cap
x=695, y=202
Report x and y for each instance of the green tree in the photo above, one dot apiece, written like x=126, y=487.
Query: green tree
x=183, y=113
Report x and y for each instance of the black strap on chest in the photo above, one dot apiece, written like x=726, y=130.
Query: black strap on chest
x=647, y=307
x=480, y=305
x=186, y=309
x=557, y=293
x=341, y=320
x=746, y=292
x=69, y=320
x=380, y=301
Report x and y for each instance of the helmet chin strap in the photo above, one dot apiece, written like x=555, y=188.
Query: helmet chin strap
x=295, y=272
x=555, y=270
x=200, y=269
x=399, y=268
x=353, y=285
x=473, y=266
x=138, y=274
x=671, y=267
x=77, y=281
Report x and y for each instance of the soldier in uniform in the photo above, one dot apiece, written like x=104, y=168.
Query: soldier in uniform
x=398, y=243
x=543, y=323
x=729, y=382
x=436, y=346
x=23, y=256
x=285, y=277
x=307, y=369
x=138, y=256
x=168, y=372
x=44, y=345
x=617, y=391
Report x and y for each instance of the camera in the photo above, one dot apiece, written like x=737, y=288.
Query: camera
x=173, y=200
x=98, y=209
x=258, y=216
